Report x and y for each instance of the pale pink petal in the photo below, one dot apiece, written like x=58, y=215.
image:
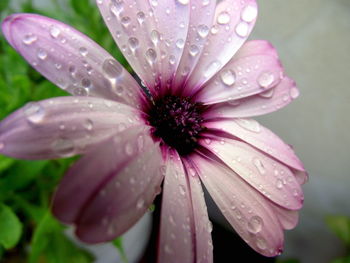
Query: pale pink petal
x=203, y=227
x=256, y=47
x=301, y=176
x=249, y=213
x=233, y=22
x=242, y=78
x=107, y=191
x=201, y=21
x=287, y=218
x=62, y=127
x=70, y=59
x=177, y=236
x=260, y=104
x=151, y=35
x=272, y=179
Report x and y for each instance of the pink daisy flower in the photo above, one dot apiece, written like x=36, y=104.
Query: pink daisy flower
x=188, y=125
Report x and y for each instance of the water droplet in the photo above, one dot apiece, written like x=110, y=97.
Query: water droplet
x=205, y=2
x=267, y=94
x=255, y=224
x=180, y=43
x=79, y=91
x=155, y=37
x=167, y=249
x=259, y=165
x=151, y=55
x=88, y=124
x=29, y=39
x=153, y=2
x=228, y=77
x=194, y=50
x=266, y=79
x=209, y=227
x=212, y=68
x=183, y=2
x=55, y=31
x=125, y=21
x=86, y=83
x=141, y=17
x=214, y=30
x=112, y=68
x=140, y=203
x=133, y=43
x=203, y=30
x=261, y=243
x=242, y=29
x=42, y=54
x=249, y=124
x=294, y=92
x=182, y=190
x=83, y=51
x=249, y=13
x=116, y=7
x=223, y=18
x=279, y=184
x=64, y=147
x=129, y=149
x=34, y=112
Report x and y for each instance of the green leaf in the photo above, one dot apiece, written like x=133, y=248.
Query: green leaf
x=49, y=244
x=342, y=260
x=287, y=261
x=5, y=162
x=118, y=243
x=4, y=4
x=10, y=227
x=340, y=225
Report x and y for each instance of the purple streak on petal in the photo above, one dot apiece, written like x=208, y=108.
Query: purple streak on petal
x=251, y=132
x=177, y=234
x=272, y=179
x=62, y=127
x=151, y=35
x=260, y=104
x=201, y=21
x=70, y=59
x=249, y=213
x=233, y=22
x=242, y=78
x=132, y=179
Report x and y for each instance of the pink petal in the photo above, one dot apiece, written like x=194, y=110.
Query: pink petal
x=70, y=59
x=242, y=78
x=62, y=127
x=256, y=47
x=287, y=218
x=253, y=133
x=271, y=178
x=151, y=35
x=233, y=22
x=201, y=21
x=185, y=230
x=108, y=190
x=249, y=213
x=177, y=236
x=260, y=104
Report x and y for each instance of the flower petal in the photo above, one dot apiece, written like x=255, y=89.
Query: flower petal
x=260, y=104
x=201, y=20
x=62, y=127
x=151, y=35
x=256, y=47
x=233, y=22
x=115, y=184
x=70, y=59
x=287, y=218
x=249, y=213
x=251, y=132
x=271, y=178
x=241, y=78
x=185, y=230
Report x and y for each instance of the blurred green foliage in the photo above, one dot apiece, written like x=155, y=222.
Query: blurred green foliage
x=28, y=231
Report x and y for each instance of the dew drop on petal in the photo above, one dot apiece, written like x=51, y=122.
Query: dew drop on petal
x=242, y=29
x=55, y=31
x=223, y=18
x=194, y=50
x=266, y=79
x=294, y=92
x=228, y=77
x=205, y=2
x=259, y=166
x=88, y=124
x=129, y=150
x=140, y=203
x=249, y=124
x=261, y=243
x=83, y=51
x=141, y=17
x=279, y=184
x=249, y=13
x=151, y=56
x=203, y=30
x=112, y=68
x=64, y=147
x=255, y=224
x=183, y=2
x=42, y=54
x=182, y=190
x=29, y=39
x=180, y=43
x=133, y=43
x=79, y=91
x=153, y=2
x=267, y=94
x=34, y=112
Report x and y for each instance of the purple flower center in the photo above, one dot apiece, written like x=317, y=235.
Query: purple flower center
x=177, y=121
